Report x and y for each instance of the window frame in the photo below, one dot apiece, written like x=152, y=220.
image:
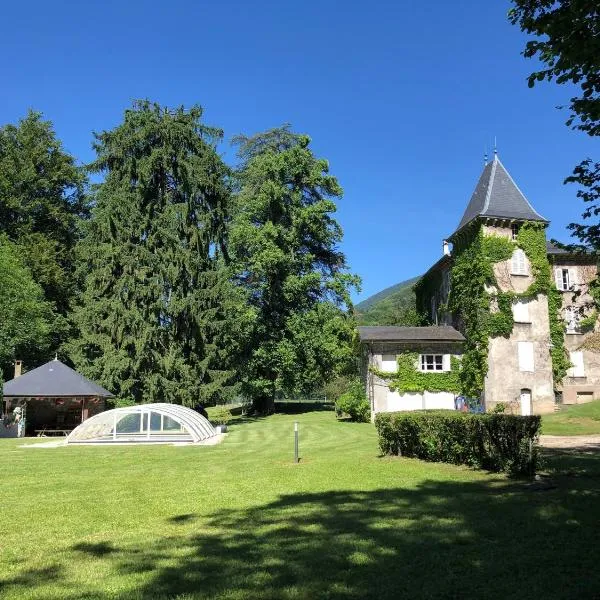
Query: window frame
x=423, y=363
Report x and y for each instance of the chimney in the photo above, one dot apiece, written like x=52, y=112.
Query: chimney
x=446, y=248
x=18, y=368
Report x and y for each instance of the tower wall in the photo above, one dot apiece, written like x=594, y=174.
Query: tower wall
x=506, y=378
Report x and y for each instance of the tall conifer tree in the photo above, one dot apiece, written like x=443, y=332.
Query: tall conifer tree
x=157, y=310
x=285, y=241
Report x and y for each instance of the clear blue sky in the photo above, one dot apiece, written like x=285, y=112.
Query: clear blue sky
x=400, y=97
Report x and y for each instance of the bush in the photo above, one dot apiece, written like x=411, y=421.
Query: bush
x=220, y=415
x=354, y=403
x=498, y=442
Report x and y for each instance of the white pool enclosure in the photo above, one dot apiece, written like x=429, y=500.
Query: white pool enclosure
x=144, y=423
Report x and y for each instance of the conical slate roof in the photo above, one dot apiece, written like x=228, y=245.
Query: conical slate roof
x=497, y=195
x=53, y=379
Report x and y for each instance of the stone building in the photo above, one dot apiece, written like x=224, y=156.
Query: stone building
x=533, y=319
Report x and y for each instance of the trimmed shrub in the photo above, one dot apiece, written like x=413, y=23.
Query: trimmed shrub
x=354, y=403
x=220, y=415
x=493, y=441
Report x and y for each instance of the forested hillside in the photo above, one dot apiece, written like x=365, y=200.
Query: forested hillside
x=392, y=306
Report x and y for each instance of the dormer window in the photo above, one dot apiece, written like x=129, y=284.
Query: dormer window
x=519, y=263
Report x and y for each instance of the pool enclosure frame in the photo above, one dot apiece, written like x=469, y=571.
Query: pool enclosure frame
x=157, y=423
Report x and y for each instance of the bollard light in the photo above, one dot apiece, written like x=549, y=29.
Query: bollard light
x=296, y=459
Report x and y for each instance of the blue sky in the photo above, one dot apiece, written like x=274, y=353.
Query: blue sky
x=401, y=98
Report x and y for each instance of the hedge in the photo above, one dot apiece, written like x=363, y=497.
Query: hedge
x=496, y=442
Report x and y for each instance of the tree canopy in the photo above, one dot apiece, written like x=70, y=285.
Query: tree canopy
x=284, y=243
x=26, y=319
x=158, y=317
x=567, y=43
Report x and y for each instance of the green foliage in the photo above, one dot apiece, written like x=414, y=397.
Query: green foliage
x=284, y=245
x=220, y=415
x=26, y=319
x=41, y=204
x=408, y=378
x=496, y=248
x=589, y=322
x=500, y=408
x=354, y=403
x=158, y=318
x=426, y=288
x=567, y=45
x=488, y=314
x=496, y=442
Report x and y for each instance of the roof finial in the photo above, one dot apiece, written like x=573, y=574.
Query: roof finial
x=495, y=148
x=485, y=156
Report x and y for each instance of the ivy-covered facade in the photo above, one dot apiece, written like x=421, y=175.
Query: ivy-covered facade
x=526, y=308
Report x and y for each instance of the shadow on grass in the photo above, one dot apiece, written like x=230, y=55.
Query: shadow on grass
x=441, y=539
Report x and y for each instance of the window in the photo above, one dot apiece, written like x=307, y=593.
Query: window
x=577, y=370
x=519, y=263
x=572, y=319
x=515, y=231
x=432, y=362
x=521, y=312
x=563, y=279
x=434, y=315
x=388, y=363
x=525, y=350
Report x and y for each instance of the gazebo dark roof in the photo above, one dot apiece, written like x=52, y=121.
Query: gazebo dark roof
x=53, y=379
x=441, y=333
x=497, y=195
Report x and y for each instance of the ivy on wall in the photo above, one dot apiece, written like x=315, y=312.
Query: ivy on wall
x=408, y=377
x=484, y=311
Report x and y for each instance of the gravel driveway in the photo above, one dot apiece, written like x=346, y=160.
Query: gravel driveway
x=588, y=442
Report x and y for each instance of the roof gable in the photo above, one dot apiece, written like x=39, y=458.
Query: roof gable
x=53, y=379
x=497, y=195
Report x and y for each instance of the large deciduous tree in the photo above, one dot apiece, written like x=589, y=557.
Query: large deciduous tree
x=41, y=201
x=567, y=42
x=284, y=241
x=26, y=319
x=158, y=314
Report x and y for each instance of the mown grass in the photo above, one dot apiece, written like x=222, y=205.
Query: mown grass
x=241, y=520
x=581, y=419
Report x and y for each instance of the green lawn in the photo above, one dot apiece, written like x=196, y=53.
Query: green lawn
x=582, y=419
x=240, y=520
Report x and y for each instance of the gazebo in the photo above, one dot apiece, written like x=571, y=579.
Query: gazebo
x=56, y=398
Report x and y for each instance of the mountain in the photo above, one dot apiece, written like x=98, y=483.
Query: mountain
x=393, y=306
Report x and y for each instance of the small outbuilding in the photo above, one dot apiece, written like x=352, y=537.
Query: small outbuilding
x=428, y=358
x=54, y=397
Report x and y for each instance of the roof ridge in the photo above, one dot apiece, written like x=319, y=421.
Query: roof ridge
x=518, y=188
x=488, y=195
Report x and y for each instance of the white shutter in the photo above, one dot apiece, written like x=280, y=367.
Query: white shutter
x=525, y=350
x=521, y=312
x=577, y=370
x=388, y=363
x=446, y=362
x=558, y=278
x=519, y=264
x=573, y=280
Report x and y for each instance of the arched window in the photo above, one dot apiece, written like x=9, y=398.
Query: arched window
x=519, y=262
